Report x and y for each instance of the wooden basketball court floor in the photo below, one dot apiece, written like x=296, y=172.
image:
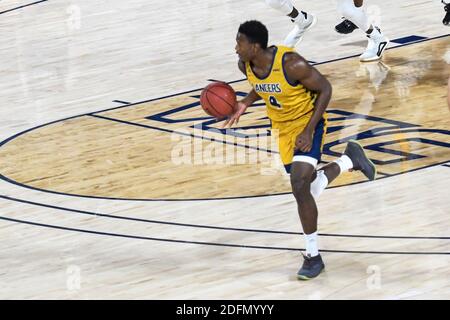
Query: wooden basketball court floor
x=115, y=185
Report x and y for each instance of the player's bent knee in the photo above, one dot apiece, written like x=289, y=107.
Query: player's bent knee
x=300, y=186
x=302, y=169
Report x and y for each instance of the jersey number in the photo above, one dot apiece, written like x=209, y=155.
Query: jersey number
x=274, y=102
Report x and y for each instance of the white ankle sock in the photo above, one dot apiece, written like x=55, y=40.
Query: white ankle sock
x=312, y=249
x=319, y=184
x=344, y=163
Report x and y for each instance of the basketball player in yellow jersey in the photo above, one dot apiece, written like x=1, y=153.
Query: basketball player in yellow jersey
x=296, y=96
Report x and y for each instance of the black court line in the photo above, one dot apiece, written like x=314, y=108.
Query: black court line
x=215, y=243
x=90, y=213
x=446, y=165
x=122, y=102
x=25, y=5
x=181, y=133
x=2, y=177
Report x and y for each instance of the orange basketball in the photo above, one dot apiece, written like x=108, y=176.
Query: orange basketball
x=218, y=99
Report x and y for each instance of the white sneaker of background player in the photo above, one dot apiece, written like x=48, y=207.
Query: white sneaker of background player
x=376, y=46
x=300, y=27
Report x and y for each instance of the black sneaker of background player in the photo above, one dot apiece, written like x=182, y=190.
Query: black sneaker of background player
x=345, y=27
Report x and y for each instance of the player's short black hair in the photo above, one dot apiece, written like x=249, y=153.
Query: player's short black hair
x=256, y=32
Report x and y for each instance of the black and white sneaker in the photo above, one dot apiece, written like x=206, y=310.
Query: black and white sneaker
x=345, y=27
x=376, y=46
x=446, y=20
x=296, y=35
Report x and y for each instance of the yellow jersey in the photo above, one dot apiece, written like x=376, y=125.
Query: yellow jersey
x=284, y=101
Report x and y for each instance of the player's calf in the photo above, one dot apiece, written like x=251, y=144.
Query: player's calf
x=300, y=186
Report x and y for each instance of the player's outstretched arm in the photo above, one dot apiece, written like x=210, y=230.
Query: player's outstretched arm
x=242, y=105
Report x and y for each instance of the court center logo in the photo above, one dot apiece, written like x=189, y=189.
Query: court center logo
x=160, y=148
x=392, y=143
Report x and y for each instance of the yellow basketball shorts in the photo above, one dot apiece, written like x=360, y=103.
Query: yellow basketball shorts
x=287, y=134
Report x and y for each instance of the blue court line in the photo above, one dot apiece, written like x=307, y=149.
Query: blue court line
x=2, y=177
x=215, y=80
x=408, y=39
x=123, y=102
x=211, y=243
x=90, y=213
x=446, y=165
x=25, y=5
x=180, y=133
x=235, y=81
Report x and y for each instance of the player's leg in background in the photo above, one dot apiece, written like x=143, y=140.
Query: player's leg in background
x=377, y=40
x=446, y=20
x=346, y=26
x=302, y=20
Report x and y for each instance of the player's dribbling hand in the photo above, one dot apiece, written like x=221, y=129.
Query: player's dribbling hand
x=234, y=118
x=303, y=142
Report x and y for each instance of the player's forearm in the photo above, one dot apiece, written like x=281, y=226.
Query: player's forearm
x=251, y=97
x=320, y=105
